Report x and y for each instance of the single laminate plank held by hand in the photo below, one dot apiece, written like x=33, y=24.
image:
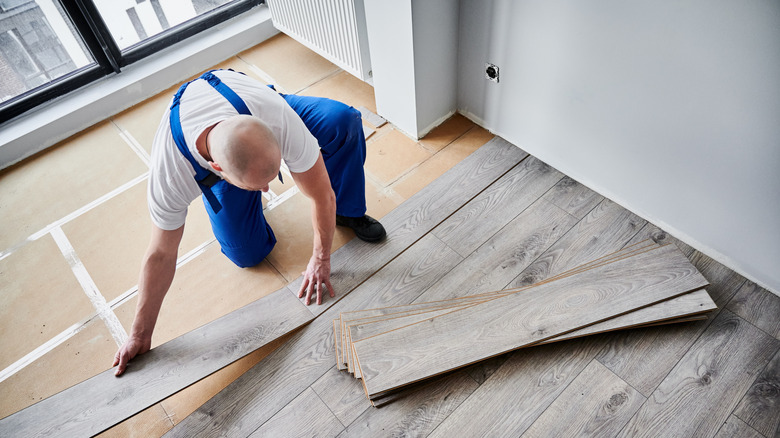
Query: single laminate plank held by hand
x=394, y=359
x=98, y=403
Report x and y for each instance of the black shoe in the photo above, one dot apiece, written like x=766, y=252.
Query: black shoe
x=365, y=227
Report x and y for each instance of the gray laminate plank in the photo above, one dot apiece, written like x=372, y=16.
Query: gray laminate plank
x=677, y=314
x=736, y=428
x=661, y=237
x=513, y=397
x=338, y=341
x=405, y=356
x=467, y=229
x=407, y=223
x=342, y=394
x=688, y=304
x=704, y=387
x=371, y=117
x=266, y=388
x=417, y=413
x=573, y=197
x=365, y=330
x=760, y=407
x=506, y=254
x=644, y=357
x=163, y=371
x=320, y=421
x=361, y=316
x=758, y=306
x=607, y=228
x=596, y=404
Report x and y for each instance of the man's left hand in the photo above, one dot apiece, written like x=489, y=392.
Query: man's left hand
x=316, y=276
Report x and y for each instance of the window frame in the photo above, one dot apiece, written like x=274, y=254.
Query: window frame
x=109, y=59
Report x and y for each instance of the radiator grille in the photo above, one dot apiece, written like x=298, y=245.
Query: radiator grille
x=335, y=29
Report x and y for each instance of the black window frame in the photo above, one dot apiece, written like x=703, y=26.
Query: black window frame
x=109, y=59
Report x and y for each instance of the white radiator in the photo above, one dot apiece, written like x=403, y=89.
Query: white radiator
x=335, y=29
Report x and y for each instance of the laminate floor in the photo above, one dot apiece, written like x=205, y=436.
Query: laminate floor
x=700, y=378
x=528, y=222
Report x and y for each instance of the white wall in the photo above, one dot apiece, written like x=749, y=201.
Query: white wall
x=435, y=27
x=671, y=109
x=392, y=61
x=413, y=48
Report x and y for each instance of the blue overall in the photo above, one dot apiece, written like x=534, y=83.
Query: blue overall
x=236, y=215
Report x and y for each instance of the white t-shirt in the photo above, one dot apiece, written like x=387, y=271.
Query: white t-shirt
x=172, y=185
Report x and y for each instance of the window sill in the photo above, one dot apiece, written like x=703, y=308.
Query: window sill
x=60, y=118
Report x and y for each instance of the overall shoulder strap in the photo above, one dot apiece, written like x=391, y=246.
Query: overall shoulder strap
x=204, y=177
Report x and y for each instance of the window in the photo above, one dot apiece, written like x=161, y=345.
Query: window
x=37, y=45
x=51, y=47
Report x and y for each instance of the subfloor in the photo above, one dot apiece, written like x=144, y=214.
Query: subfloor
x=75, y=227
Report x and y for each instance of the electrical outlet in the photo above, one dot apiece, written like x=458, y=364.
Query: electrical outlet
x=491, y=72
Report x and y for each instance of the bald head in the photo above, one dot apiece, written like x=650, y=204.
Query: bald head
x=246, y=151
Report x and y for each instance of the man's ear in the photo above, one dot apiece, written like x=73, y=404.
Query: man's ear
x=215, y=166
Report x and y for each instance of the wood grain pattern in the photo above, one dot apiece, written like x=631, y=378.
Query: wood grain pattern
x=644, y=357
x=104, y=400
x=596, y=404
x=364, y=316
x=528, y=382
x=573, y=197
x=405, y=356
x=470, y=226
x=480, y=371
x=320, y=422
x=759, y=307
x=407, y=223
x=506, y=254
x=266, y=388
x=701, y=391
x=736, y=428
x=692, y=303
x=661, y=237
x=604, y=230
x=362, y=330
x=416, y=414
x=760, y=407
x=342, y=394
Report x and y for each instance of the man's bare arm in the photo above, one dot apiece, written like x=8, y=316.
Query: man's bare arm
x=157, y=270
x=315, y=184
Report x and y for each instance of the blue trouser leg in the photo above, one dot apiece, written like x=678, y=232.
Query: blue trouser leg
x=240, y=227
x=339, y=131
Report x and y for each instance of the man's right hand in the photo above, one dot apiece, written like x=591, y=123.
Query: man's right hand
x=130, y=349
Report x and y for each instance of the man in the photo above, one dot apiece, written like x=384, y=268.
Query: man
x=224, y=136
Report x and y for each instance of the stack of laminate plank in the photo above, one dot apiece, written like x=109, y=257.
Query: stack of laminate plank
x=393, y=348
